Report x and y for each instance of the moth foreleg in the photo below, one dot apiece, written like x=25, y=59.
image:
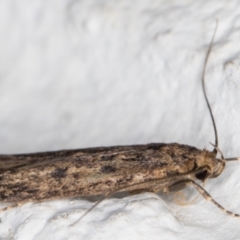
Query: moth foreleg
x=175, y=187
x=207, y=196
x=179, y=197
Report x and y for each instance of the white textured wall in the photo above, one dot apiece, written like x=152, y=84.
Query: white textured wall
x=86, y=73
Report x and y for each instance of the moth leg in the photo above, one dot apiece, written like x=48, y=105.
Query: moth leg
x=180, y=197
x=208, y=197
x=176, y=187
x=108, y=194
x=90, y=209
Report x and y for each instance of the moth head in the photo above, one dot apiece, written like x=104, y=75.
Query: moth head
x=208, y=166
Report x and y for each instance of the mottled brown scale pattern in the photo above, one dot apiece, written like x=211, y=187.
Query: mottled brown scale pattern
x=93, y=171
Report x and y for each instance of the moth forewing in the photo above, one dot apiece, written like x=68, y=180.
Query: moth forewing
x=93, y=171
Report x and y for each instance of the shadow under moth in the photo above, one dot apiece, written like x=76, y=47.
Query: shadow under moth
x=105, y=170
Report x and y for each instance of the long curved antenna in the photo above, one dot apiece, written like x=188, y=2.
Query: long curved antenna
x=204, y=89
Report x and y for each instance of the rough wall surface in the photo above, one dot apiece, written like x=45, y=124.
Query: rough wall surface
x=77, y=74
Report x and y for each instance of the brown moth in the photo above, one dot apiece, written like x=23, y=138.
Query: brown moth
x=105, y=170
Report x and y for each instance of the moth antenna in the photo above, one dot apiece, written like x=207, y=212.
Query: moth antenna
x=208, y=197
x=233, y=159
x=218, y=150
x=105, y=197
x=204, y=88
x=90, y=209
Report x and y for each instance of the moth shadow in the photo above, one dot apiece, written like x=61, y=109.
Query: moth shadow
x=96, y=198
x=119, y=195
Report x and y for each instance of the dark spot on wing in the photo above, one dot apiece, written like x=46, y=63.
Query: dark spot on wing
x=17, y=187
x=76, y=175
x=94, y=184
x=54, y=193
x=133, y=159
x=107, y=157
x=59, y=173
x=108, y=169
x=64, y=187
x=32, y=191
x=108, y=183
x=3, y=196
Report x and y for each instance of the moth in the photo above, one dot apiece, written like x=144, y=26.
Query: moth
x=152, y=167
